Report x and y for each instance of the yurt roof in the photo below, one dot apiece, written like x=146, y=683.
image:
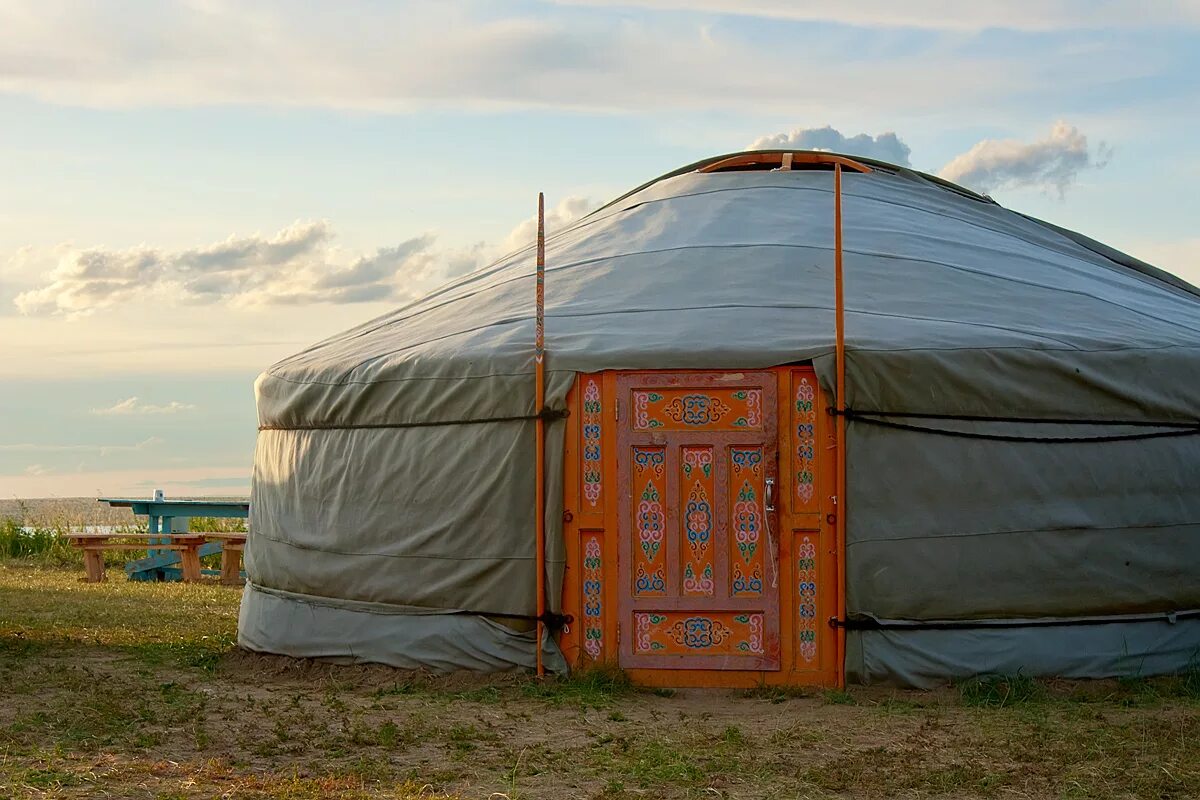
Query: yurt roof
x=706, y=267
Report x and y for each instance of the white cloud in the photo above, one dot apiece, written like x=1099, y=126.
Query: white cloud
x=132, y=405
x=1029, y=15
x=560, y=216
x=1053, y=162
x=884, y=146
x=298, y=265
x=36, y=470
x=405, y=57
x=101, y=449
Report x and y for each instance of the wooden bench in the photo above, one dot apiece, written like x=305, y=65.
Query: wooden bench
x=188, y=544
x=233, y=546
x=168, y=518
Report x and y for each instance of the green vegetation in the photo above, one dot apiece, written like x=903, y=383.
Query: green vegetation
x=999, y=691
x=217, y=525
x=46, y=545
x=839, y=697
x=38, y=532
x=594, y=686
x=136, y=690
x=776, y=694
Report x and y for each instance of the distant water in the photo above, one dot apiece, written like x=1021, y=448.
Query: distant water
x=110, y=529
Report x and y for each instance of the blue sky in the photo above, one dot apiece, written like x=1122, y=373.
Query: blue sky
x=187, y=185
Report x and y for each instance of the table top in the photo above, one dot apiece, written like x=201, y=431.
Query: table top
x=147, y=535
x=180, y=508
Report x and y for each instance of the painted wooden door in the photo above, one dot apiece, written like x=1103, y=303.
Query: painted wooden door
x=698, y=554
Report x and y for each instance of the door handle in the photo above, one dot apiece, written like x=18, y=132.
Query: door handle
x=769, y=508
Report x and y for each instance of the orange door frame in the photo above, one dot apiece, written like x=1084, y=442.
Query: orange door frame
x=808, y=575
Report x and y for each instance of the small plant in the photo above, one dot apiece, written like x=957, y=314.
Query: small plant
x=389, y=734
x=511, y=778
x=1000, y=691
x=614, y=788
x=411, y=685
x=663, y=761
x=1190, y=683
x=776, y=694
x=839, y=697
x=593, y=686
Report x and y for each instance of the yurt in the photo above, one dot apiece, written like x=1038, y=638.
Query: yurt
x=1008, y=480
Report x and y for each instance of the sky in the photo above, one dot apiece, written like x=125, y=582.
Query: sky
x=192, y=191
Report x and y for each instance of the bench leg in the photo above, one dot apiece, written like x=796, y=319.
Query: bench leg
x=231, y=566
x=189, y=559
x=93, y=564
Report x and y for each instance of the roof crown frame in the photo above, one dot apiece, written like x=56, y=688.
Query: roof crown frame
x=784, y=160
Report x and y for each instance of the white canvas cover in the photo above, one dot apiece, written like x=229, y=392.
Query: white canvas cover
x=383, y=494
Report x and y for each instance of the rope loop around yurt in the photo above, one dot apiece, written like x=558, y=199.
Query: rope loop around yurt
x=1173, y=428
x=546, y=414
x=872, y=624
x=550, y=619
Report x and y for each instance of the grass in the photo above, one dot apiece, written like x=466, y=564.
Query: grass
x=776, y=694
x=595, y=686
x=839, y=697
x=1000, y=691
x=136, y=690
x=46, y=545
x=154, y=620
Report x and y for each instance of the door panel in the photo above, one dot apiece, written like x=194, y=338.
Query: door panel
x=697, y=553
x=720, y=633
x=685, y=409
x=649, y=521
x=696, y=494
x=746, y=470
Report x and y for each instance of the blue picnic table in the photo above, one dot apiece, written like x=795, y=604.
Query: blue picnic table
x=168, y=517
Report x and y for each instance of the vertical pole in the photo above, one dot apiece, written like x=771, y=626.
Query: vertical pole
x=839, y=303
x=539, y=402
x=152, y=521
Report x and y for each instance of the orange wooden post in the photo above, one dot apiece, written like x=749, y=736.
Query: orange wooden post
x=93, y=559
x=189, y=557
x=840, y=357
x=231, y=561
x=539, y=402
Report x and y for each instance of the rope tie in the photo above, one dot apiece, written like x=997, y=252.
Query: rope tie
x=1174, y=428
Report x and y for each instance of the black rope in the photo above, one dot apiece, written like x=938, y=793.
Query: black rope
x=548, y=414
x=872, y=418
x=871, y=624
x=1133, y=423
x=554, y=621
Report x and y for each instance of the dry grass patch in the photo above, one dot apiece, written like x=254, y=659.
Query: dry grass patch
x=136, y=690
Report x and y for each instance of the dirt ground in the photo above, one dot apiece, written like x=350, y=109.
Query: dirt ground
x=136, y=690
